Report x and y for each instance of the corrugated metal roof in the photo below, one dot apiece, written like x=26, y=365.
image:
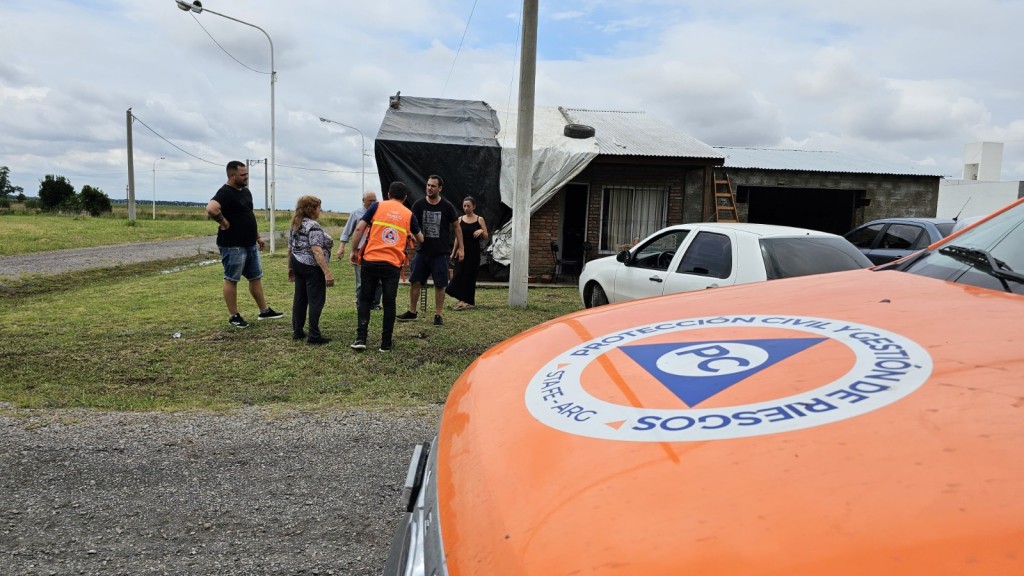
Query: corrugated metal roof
x=813, y=161
x=637, y=134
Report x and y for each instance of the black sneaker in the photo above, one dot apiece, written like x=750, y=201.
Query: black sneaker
x=359, y=344
x=406, y=316
x=270, y=314
x=386, y=346
x=318, y=340
x=438, y=321
x=237, y=321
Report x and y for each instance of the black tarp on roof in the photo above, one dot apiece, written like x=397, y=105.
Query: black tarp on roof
x=454, y=139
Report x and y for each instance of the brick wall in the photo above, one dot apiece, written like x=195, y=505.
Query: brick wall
x=890, y=195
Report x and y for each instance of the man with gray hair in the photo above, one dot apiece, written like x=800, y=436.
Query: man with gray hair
x=369, y=197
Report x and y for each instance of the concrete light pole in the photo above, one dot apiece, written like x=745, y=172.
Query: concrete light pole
x=519, y=271
x=154, y=185
x=197, y=7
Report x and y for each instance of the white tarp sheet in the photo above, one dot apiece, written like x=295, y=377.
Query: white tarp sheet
x=557, y=159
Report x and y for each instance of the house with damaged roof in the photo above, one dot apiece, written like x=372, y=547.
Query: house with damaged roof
x=603, y=179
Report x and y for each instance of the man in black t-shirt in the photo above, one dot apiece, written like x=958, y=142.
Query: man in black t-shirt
x=437, y=218
x=239, y=242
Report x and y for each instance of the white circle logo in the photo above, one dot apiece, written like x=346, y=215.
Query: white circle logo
x=886, y=368
x=719, y=359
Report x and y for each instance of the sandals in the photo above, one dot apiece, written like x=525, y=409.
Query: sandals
x=461, y=306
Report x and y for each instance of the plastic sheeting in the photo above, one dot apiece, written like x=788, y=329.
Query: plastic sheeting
x=454, y=139
x=472, y=147
x=557, y=159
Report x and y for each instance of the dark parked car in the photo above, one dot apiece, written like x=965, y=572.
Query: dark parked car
x=889, y=239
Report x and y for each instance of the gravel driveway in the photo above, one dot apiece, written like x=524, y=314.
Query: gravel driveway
x=59, y=261
x=253, y=491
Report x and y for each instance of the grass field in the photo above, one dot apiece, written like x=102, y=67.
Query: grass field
x=155, y=337
x=23, y=233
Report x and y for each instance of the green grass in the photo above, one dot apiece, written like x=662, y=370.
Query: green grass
x=155, y=337
x=22, y=233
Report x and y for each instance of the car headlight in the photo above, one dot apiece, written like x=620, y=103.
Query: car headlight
x=417, y=549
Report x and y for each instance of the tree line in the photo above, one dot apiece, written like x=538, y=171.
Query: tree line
x=56, y=194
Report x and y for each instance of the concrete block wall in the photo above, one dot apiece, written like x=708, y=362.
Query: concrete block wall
x=890, y=195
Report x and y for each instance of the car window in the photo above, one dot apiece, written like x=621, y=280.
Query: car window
x=945, y=228
x=1002, y=237
x=864, y=236
x=805, y=255
x=709, y=254
x=657, y=253
x=901, y=237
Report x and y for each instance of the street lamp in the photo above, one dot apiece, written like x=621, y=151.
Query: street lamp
x=154, y=186
x=197, y=7
x=362, y=152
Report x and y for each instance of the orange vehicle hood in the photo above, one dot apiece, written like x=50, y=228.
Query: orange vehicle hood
x=759, y=429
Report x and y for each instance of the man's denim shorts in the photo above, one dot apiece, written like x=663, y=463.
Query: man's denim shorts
x=241, y=261
x=433, y=266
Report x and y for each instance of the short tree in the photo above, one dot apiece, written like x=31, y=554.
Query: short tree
x=94, y=200
x=56, y=192
x=6, y=188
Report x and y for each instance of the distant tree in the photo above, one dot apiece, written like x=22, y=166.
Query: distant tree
x=6, y=188
x=56, y=193
x=21, y=195
x=94, y=200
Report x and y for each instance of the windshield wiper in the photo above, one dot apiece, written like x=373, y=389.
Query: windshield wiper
x=982, y=260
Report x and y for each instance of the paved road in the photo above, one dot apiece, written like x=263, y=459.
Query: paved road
x=60, y=261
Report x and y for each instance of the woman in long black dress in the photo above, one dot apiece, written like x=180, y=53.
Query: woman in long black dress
x=462, y=286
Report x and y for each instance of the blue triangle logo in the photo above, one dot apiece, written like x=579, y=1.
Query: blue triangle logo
x=696, y=371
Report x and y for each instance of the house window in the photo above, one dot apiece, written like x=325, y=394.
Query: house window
x=629, y=214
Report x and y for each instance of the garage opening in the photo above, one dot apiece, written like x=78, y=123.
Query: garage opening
x=815, y=208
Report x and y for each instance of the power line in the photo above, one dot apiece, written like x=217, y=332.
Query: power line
x=182, y=150
x=222, y=48
x=459, y=51
x=322, y=170
x=515, y=63
x=187, y=153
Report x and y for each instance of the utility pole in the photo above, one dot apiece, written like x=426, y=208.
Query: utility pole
x=518, y=278
x=131, y=169
x=266, y=201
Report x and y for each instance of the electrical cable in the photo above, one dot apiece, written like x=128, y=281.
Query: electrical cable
x=222, y=48
x=515, y=65
x=187, y=153
x=459, y=51
x=160, y=136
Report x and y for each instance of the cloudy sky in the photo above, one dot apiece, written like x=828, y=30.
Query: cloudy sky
x=906, y=81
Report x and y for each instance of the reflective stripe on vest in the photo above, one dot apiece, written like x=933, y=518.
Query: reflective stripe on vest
x=390, y=225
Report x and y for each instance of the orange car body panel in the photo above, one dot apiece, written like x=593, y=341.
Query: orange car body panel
x=929, y=480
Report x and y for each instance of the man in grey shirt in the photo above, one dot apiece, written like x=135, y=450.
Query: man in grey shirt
x=369, y=197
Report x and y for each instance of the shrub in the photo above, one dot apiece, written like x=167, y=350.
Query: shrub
x=56, y=192
x=94, y=201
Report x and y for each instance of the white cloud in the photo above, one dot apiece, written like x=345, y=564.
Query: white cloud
x=911, y=81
